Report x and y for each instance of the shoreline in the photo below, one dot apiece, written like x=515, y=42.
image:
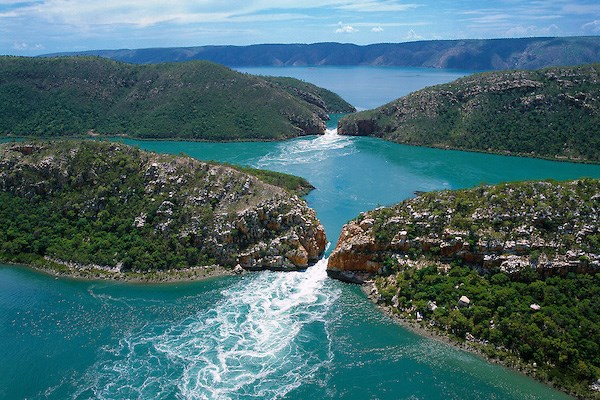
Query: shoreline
x=147, y=139
x=87, y=273
x=370, y=290
x=202, y=273
x=282, y=139
x=482, y=151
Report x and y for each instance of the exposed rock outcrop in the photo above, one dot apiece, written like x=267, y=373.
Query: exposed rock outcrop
x=197, y=213
x=552, y=228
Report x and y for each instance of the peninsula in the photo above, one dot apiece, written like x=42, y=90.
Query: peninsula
x=99, y=209
x=199, y=100
x=510, y=270
x=550, y=113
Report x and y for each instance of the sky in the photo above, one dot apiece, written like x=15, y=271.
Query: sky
x=32, y=27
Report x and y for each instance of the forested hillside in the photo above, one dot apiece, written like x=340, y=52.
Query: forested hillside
x=550, y=113
x=512, y=270
x=197, y=100
x=96, y=207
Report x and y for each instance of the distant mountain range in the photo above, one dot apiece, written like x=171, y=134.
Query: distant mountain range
x=484, y=54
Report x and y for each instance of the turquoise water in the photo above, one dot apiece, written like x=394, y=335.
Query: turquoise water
x=264, y=335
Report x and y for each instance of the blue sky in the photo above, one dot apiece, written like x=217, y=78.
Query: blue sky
x=36, y=27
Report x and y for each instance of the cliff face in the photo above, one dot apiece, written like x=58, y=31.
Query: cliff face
x=195, y=100
x=550, y=227
x=511, y=271
x=551, y=113
x=116, y=207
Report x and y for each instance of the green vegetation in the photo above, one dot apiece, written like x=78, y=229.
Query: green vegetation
x=562, y=338
x=508, y=248
x=117, y=207
x=535, y=223
x=292, y=183
x=323, y=98
x=195, y=100
x=549, y=113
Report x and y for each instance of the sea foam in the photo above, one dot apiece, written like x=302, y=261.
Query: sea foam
x=255, y=342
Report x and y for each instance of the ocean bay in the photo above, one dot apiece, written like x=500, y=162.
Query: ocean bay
x=270, y=335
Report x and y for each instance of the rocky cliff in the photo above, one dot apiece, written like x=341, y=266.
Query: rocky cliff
x=549, y=113
x=510, y=271
x=113, y=207
x=550, y=227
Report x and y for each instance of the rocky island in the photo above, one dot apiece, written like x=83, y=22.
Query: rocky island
x=198, y=100
x=99, y=209
x=511, y=270
x=529, y=113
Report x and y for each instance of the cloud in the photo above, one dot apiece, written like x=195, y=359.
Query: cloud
x=486, y=19
x=593, y=26
x=345, y=29
x=22, y=46
x=531, y=30
x=377, y=29
x=151, y=12
x=377, y=6
x=412, y=35
x=581, y=9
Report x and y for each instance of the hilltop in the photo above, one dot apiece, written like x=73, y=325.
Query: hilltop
x=90, y=208
x=511, y=270
x=197, y=100
x=474, y=54
x=549, y=113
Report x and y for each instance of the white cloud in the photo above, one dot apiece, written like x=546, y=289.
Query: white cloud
x=270, y=17
x=19, y=46
x=412, y=35
x=345, y=28
x=377, y=6
x=593, y=26
x=486, y=19
x=22, y=46
x=377, y=29
x=531, y=30
x=390, y=24
x=581, y=9
x=151, y=12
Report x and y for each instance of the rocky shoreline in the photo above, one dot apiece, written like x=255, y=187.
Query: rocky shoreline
x=504, y=271
x=88, y=273
x=63, y=202
x=493, y=112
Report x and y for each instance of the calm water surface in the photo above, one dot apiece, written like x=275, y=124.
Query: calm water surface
x=266, y=335
x=364, y=87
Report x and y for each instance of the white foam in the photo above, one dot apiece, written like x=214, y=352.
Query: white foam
x=308, y=150
x=253, y=342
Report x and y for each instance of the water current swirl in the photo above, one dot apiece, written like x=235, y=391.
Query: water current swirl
x=252, y=343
